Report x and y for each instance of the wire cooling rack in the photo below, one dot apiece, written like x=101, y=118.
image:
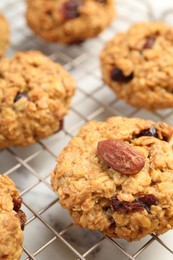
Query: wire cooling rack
x=49, y=233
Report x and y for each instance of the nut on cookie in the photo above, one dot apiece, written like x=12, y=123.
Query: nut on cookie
x=69, y=21
x=138, y=65
x=35, y=95
x=117, y=177
x=12, y=220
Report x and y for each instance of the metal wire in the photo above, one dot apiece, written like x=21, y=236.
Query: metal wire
x=49, y=232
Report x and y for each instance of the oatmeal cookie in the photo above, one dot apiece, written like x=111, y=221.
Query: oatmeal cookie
x=34, y=95
x=12, y=220
x=4, y=32
x=69, y=21
x=138, y=65
x=117, y=177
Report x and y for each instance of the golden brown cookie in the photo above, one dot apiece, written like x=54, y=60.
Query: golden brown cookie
x=117, y=177
x=34, y=95
x=69, y=21
x=12, y=220
x=138, y=65
x=4, y=32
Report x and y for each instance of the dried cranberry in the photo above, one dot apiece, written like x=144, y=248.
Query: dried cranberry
x=149, y=42
x=124, y=206
x=17, y=202
x=149, y=132
x=117, y=75
x=148, y=200
x=19, y=96
x=21, y=215
x=70, y=9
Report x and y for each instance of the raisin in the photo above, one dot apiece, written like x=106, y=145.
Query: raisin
x=4, y=256
x=149, y=42
x=76, y=41
x=117, y=75
x=70, y=9
x=148, y=200
x=149, y=132
x=61, y=126
x=102, y=1
x=140, y=203
x=17, y=202
x=21, y=215
x=109, y=213
x=19, y=96
x=124, y=206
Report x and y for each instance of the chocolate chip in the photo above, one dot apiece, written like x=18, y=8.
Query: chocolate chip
x=149, y=42
x=140, y=203
x=152, y=131
x=21, y=215
x=70, y=9
x=19, y=96
x=17, y=202
x=117, y=75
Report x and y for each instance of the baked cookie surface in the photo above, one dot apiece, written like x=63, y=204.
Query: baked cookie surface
x=4, y=32
x=117, y=177
x=69, y=21
x=138, y=65
x=34, y=95
x=12, y=220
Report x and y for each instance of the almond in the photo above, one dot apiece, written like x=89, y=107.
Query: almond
x=120, y=156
